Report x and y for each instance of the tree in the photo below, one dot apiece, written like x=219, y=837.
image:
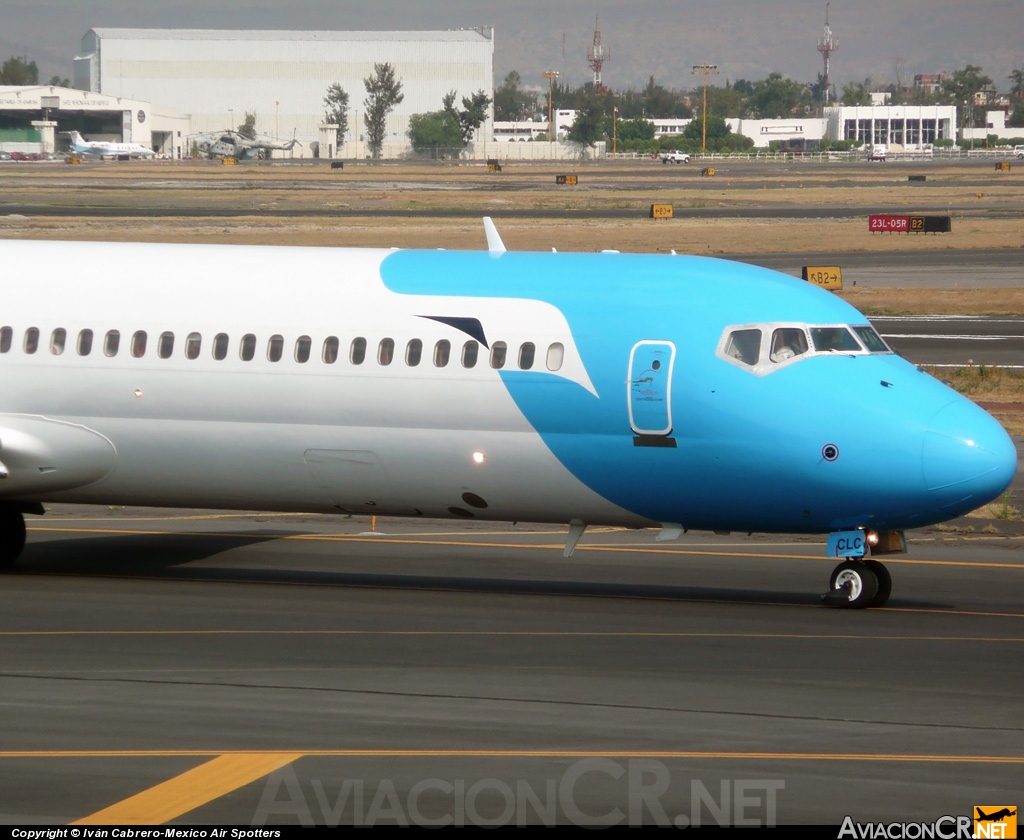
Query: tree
x=1016, y=98
x=856, y=93
x=960, y=87
x=719, y=135
x=336, y=111
x=472, y=115
x=383, y=93
x=661, y=102
x=635, y=130
x=589, y=125
x=437, y=132
x=776, y=97
x=248, y=127
x=511, y=102
x=19, y=71
x=57, y=81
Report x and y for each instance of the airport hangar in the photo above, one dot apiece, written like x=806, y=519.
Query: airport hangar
x=32, y=118
x=217, y=76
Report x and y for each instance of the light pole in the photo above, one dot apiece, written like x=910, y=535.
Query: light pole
x=615, y=138
x=231, y=119
x=705, y=70
x=550, y=75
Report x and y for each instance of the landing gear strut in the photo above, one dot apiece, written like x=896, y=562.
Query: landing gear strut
x=12, y=534
x=856, y=584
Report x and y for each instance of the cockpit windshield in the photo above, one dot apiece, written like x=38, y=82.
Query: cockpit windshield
x=764, y=348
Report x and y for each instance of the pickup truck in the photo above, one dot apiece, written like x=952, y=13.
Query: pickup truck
x=675, y=156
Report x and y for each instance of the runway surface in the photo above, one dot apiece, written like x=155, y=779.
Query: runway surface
x=955, y=340
x=233, y=668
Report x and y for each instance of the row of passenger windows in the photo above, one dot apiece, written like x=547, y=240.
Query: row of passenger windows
x=744, y=344
x=441, y=355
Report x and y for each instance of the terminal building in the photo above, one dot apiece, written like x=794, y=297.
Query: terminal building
x=899, y=127
x=217, y=76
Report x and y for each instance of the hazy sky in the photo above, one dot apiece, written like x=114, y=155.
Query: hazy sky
x=746, y=38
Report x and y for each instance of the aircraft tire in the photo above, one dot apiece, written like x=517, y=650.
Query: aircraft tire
x=861, y=580
x=884, y=583
x=12, y=534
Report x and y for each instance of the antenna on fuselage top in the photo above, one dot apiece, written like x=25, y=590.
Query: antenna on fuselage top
x=494, y=243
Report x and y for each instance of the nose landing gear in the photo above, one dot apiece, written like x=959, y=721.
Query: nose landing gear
x=857, y=584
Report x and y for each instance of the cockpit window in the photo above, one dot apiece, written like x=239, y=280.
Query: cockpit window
x=871, y=340
x=744, y=345
x=834, y=340
x=788, y=342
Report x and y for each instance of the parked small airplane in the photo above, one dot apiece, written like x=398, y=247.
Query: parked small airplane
x=106, y=148
x=235, y=145
x=608, y=389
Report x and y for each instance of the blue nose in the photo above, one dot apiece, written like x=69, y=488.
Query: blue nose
x=967, y=457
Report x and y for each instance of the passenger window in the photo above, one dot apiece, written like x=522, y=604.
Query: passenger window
x=111, y=343
x=275, y=348
x=413, y=352
x=6, y=336
x=833, y=340
x=165, y=346
x=330, y=351
x=57, y=339
x=139, y=344
x=498, y=352
x=871, y=340
x=247, y=347
x=526, y=355
x=357, y=352
x=385, y=351
x=442, y=353
x=744, y=345
x=787, y=343
x=470, y=351
x=31, y=340
x=556, y=354
x=85, y=342
x=193, y=344
x=303, y=344
x=220, y=346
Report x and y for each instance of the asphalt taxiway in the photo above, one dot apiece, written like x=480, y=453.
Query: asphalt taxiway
x=250, y=669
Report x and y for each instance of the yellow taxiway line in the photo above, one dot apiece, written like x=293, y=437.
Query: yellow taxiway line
x=193, y=788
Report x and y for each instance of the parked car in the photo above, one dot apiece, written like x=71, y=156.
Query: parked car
x=1019, y=151
x=878, y=152
x=4, y=155
x=675, y=156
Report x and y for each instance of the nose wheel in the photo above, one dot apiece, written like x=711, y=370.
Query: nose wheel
x=857, y=584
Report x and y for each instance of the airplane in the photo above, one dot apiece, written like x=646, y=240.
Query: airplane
x=106, y=148
x=643, y=391
x=232, y=144
x=997, y=816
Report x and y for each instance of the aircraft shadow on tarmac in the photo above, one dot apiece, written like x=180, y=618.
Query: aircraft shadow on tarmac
x=168, y=558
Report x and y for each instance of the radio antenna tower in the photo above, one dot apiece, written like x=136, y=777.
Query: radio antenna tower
x=597, y=55
x=827, y=44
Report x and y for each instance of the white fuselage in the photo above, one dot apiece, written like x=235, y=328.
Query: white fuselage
x=281, y=435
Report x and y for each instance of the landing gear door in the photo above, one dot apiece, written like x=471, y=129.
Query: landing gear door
x=650, y=387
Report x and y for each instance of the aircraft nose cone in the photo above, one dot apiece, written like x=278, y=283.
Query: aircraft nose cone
x=967, y=457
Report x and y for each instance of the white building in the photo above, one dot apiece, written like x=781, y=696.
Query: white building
x=896, y=126
x=217, y=76
x=52, y=110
